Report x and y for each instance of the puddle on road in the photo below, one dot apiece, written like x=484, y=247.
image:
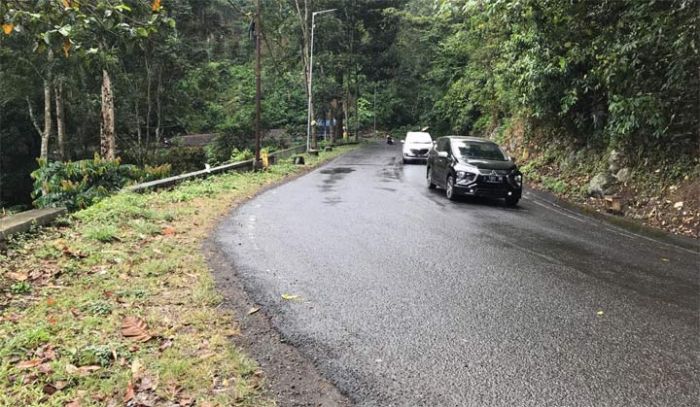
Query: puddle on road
x=391, y=174
x=337, y=170
x=335, y=175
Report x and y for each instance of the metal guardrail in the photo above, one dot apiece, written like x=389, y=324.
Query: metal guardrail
x=237, y=166
x=23, y=221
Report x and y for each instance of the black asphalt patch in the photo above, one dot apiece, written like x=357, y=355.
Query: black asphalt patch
x=403, y=298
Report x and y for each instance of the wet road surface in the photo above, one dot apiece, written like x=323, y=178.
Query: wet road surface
x=407, y=299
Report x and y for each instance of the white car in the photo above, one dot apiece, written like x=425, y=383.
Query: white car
x=416, y=146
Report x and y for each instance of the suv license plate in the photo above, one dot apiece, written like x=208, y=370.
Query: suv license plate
x=493, y=179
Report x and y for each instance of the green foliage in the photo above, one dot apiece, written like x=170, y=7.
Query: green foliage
x=99, y=308
x=102, y=233
x=180, y=159
x=79, y=184
x=613, y=73
x=91, y=355
x=21, y=287
x=238, y=155
x=151, y=173
x=555, y=185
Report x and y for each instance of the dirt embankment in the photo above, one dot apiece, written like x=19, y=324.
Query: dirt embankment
x=659, y=193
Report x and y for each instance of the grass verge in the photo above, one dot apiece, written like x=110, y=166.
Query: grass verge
x=116, y=305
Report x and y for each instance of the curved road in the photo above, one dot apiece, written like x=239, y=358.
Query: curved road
x=407, y=299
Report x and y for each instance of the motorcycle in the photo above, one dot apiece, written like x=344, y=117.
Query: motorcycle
x=389, y=140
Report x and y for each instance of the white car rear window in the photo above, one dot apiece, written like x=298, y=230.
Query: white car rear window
x=418, y=137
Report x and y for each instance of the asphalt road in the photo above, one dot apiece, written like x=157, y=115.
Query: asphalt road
x=407, y=299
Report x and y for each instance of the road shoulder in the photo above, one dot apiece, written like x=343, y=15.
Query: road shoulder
x=291, y=377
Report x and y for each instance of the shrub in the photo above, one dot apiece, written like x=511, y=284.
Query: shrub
x=238, y=155
x=156, y=172
x=221, y=148
x=181, y=159
x=79, y=184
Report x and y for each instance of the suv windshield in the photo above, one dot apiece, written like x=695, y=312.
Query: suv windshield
x=476, y=150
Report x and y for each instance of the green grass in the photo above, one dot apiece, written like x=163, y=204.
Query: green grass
x=128, y=255
x=553, y=184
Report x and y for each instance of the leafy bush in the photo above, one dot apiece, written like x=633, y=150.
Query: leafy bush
x=156, y=172
x=221, y=148
x=79, y=184
x=181, y=159
x=238, y=155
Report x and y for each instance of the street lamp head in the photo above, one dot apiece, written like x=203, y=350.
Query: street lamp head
x=324, y=11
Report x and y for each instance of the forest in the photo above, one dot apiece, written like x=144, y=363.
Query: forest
x=97, y=87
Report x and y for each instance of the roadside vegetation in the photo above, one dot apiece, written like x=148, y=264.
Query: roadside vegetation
x=595, y=98
x=116, y=305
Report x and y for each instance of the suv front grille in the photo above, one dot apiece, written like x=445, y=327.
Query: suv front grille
x=488, y=171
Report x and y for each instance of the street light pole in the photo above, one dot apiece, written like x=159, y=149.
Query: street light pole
x=374, y=107
x=311, y=74
x=258, y=33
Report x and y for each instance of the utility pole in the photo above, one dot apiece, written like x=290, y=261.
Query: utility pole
x=311, y=75
x=357, y=83
x=258, y=34
x=374, y=107
x=357, y=104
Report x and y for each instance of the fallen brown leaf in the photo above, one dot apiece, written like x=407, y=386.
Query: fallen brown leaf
x=129, y=392
x=135, y=328
x=74, y=403
x=148, y=383
x=253, y=310
x=82, y=370
x=47, y=353
x=173, y=390
x=86, y=370
x=45, y=368
x=49, y=389
x=68, y=252
x=185, y=400
x=168, y=231
x=17, y=276
x=165, y=345
x=28, y=364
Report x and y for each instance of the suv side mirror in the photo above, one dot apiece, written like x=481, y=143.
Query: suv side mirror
x=402, y=141
x=442, y=154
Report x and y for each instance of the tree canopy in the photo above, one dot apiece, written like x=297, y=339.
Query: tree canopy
x=603, y=74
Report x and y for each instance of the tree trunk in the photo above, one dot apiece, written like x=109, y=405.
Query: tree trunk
x=339, y=124
x=46, y=133
x=60, y=120
x=304, y=24
x=139, y=139
x=149, y=77
x=159, y=91
x=107, y=136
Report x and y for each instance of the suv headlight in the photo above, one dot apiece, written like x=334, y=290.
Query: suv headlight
x=518, y=178
x=464, y=177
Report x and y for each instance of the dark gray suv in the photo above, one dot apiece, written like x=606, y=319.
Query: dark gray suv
x=473, y=166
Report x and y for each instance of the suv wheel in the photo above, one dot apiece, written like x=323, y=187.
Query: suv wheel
x=450, y=188
x=429, y=179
